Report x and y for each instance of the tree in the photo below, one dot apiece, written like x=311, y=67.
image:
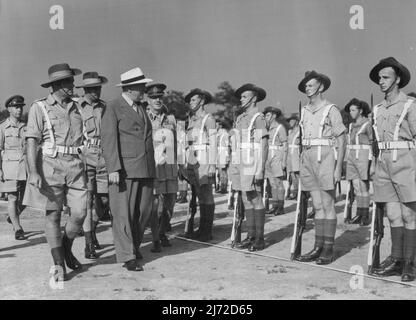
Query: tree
x=175, y=102
x=226, y=98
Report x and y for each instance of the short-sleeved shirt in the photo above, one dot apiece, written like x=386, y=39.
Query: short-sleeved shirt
x=91, y=113
x=389, y=113
x=281, y=136
x=12, y=135
x=66, y=123
x=333, y=125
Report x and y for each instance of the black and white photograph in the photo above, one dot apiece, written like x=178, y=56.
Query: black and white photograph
x=207, y=154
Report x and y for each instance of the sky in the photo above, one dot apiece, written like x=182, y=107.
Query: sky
x=200, y=43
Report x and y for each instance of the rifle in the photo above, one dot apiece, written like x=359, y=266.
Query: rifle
x=265, y=195
x=348, y=203
x=237, y=220
x=377, y=226
x=230, y=193
x=301, y=210
x=189, y=224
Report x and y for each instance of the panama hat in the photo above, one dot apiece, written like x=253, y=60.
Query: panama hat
x=133, y=76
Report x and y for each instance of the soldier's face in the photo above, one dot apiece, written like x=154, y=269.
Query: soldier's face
x=387, y=79
x=155, y=103
x=93, y=92
x=354, y=112
x=16, y=112
x=311, y=87
x=195, y=102
x=66, y=87
x=247, y=97
x=268, y=117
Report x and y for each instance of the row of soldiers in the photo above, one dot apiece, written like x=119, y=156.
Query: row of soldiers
x=67, y=150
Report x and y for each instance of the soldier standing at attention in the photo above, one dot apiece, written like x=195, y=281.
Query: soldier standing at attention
x=54, y=139
x=276, y=158
x=321, y=124
x=13, y=161
x=293, y=156
x=394, y=122
x=201, y=155
x=250, y=128
x=92, y=109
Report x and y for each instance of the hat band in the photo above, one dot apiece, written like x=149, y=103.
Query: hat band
x=133, y=79
x=91, y=81
x=59, y=74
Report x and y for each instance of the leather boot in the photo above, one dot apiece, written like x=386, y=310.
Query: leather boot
x=156, y=247
x=95, y=242
x=365, y=217
x=327, y=254
x=390, y=267
x=70, y=259
x=273, y=209
x=246, y=243
x=59, y=261
x=90, y=251
x=311, y=256
x=257, y=245
x=280, y=208
x=408, y=274
x=164, y=240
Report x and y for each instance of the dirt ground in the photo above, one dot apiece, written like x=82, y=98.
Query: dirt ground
x=190, y=270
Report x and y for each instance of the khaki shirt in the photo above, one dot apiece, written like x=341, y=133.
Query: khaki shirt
x=389, y=113
x=365, y=137
x=66, y=123
x=333, y=125
x=164, y=142
x=91, y=113
x=281, y=136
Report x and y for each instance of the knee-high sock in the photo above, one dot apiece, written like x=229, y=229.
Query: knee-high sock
x=259, y=216
x=319, y=232
x=397, y=239
x=251, y=224
x=53, y=229
x=330, y=227
x=409, y=244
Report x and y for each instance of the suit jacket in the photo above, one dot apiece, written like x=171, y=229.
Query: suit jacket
x=127, y=141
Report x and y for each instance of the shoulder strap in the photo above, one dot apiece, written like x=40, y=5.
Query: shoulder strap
x=201, y=130
x=42, y=106
x=402, y=116
x=324, y=115
x=275, y=134
x=375, y=109
x=250, y=127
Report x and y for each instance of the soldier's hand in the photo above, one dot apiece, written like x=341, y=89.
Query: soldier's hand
x=1, y=176
x=337, y=176
x=372, y=170
x=114, y=177
x=35, y=180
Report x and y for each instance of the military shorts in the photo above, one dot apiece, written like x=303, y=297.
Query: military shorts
x=165, y=186
x=63, y=178
x=357, y=168
x=234, y=176
x=97, y=177
x=316, y=175
x=395, y=181
x=197, y=175
x=274, y=165
x=293, y=161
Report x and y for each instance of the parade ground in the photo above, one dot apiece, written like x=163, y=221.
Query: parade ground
x=191, y=270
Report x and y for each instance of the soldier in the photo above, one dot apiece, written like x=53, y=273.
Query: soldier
x=201, y=158
x=223, y=154
x=181, y=123
x=92, y=109
x=276, y=158
x=13, y=161
x=394, y=122
x=166, y=182
x=359, y=155
x=321, y=124
x=56, y=173
x=292, y=162
x=250, y=128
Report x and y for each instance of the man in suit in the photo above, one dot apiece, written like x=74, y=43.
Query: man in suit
x=129, y=156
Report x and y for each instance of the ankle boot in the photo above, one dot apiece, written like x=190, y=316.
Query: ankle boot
x=70, y=259
x=257, y=245
x=246, y=243
x=312, y=255
x=327, y=254
x=95, y=242
x=90, y=251
x=59, y=261
x=280, y=208
x=365, y=217
x=408, y=274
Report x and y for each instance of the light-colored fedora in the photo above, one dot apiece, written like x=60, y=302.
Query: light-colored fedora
x=133, y=76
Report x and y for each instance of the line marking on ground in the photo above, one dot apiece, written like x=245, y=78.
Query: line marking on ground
x=296, y=262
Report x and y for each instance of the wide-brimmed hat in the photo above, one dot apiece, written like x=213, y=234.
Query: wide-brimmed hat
x=293, y=116
x=362, y=105
x=309, y=75
x=92, y=79
x=260, y=92
x=133, y=76
x=274, y=110
x=207, y=96
x=15, y=101
x=59, y=72
x=400, y=69
x=155, y=90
